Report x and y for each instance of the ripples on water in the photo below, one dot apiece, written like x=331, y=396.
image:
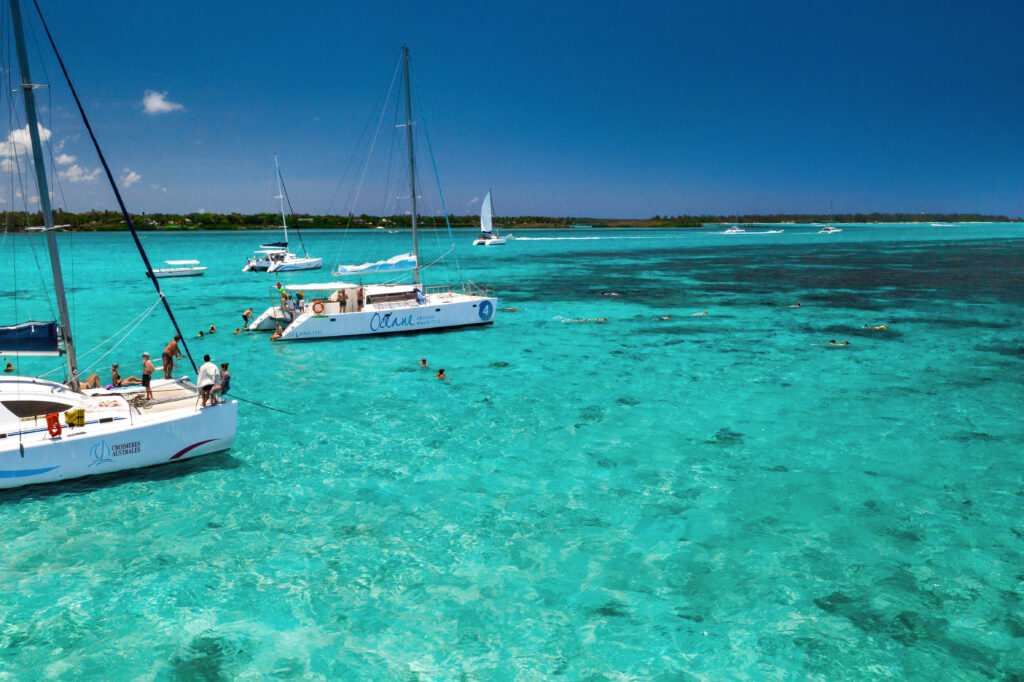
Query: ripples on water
x=719, y=496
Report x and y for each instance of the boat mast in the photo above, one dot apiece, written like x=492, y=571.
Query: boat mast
x=280, y=195
x=27, y=90
x=412, y=164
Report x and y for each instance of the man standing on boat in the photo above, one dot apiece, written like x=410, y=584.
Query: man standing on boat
x=170, y=354
x=206, y=378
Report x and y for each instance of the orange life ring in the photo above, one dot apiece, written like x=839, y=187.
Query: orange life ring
x=53, y=425
x=318, y=307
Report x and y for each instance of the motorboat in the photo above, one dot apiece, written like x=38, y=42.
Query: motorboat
x=180, y=268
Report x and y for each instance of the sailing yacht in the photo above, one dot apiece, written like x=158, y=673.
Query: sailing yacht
x=830, y=228
x=276, y=257
x=487, y=234
x=51, y=431
x=735, y=229
x=345, y=308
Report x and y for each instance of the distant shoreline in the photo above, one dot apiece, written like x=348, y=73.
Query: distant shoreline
x=109, y=221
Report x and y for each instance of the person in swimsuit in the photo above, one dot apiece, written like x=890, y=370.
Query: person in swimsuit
x=170, y=354
x=117, y=382
x=9, y=368
x=224, y=385
x=246, y=317
x=441, y=375
x=423, y=362
x=213, y=330
x=93, y=381
x=147, y=374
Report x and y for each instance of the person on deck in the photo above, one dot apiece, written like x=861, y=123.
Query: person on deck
x=170, y=354
x=206, y=379
x=93, y=381
x=246, y=317
x=117, y=382
x=224, y=385
x=147, y=374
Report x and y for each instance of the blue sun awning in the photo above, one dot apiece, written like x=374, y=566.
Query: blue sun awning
x=30, y=338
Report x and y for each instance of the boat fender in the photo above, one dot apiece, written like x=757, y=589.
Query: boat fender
x=318, y=307
x=53, y=425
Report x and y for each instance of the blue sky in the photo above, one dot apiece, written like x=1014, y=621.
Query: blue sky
x=563, y=108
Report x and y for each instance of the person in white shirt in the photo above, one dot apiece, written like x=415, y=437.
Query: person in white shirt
x=206, y=378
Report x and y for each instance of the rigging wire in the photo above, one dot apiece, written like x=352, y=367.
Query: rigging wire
x=113, y=185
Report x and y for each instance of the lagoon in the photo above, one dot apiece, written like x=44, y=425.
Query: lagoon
x=707, y=497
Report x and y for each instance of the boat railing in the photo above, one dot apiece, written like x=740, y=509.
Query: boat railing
x=467, y=287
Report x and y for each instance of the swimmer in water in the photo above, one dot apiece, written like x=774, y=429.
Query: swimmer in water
x=798, y=305
x=441, y=375
x=662, y=318
x=237, y=330
x=833, y=342
x=877, y=326
x=700, y=313
x=509, y=310
x=610, y=293
x=423, y=362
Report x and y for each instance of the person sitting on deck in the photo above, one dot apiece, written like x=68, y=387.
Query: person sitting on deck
x=277, y=333
x=93, y=381
x=117, y=382
x=224, y=384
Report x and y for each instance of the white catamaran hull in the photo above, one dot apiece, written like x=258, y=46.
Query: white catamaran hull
x=297, y=265
x=271, y=317
x=439, y=312
x=122, y=443
x=497, y=241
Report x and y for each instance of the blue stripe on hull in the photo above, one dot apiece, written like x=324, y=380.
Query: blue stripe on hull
x=20, y=473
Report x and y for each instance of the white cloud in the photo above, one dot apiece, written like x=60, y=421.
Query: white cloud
x=76, y=173
x=158, y=188
x=64, y=159
x=129, y=178
x=34, y=199
x=3, y=201
x=19, y=141
x=156, y=103
x=474, y=200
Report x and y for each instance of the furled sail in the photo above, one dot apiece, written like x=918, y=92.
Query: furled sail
x=399, y=263
x=30, y=338
x=485, y=216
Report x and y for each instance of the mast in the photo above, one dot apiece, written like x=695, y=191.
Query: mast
x=412, y=163
x=27, y=90
x=280, y=195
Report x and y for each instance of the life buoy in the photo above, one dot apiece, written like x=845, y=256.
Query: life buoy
x=53, y=425
x=318, y=307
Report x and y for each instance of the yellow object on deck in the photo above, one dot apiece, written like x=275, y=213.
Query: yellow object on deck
x=75, y=417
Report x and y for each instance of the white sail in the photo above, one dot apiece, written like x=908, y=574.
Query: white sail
x=486, y=226
x=399, y=263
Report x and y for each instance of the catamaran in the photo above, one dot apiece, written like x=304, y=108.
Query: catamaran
x=735, y=229
x=51, y=431
x=179, y=268
x=346, y=308
x=276, y=257
x=488, y=237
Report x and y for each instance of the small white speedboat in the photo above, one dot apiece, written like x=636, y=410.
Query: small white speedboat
x=829, y=229
x=180, y=268
x=735, y=229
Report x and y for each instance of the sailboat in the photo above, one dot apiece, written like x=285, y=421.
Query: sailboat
x=488, y=237
x=276, y=257
x=830, y=228
x=344, y=308
x=51, y=431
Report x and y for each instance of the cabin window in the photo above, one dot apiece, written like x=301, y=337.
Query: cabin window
x=392, y=297
x=34, y=408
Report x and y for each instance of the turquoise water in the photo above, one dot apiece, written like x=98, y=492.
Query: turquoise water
x=704, y=497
